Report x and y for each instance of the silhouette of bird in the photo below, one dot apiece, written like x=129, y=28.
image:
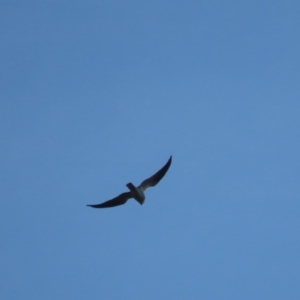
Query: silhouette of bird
x=136, y=193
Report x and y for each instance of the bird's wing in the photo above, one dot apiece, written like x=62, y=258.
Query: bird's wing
x=155, y=179
x=119, y=200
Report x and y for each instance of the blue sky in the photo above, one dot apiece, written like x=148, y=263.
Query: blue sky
x=96, y=94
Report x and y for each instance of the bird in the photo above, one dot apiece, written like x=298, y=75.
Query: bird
x=137, y=193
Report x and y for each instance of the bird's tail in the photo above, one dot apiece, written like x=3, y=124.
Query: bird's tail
x=131, y=187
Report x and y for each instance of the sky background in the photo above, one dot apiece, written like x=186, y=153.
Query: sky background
x=95, y=94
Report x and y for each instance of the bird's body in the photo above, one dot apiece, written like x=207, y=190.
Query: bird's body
x=138, y=193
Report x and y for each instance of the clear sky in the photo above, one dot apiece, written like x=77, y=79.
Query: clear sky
x=95, y=94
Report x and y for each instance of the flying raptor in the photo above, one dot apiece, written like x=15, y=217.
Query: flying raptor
x=137, y=193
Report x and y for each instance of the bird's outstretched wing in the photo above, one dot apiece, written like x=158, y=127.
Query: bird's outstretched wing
x=119, y=200
x=155, y=179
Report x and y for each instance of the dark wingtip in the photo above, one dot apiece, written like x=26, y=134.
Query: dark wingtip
x=93, y=206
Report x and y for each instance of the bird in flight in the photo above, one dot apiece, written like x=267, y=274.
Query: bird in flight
x=136, y=193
